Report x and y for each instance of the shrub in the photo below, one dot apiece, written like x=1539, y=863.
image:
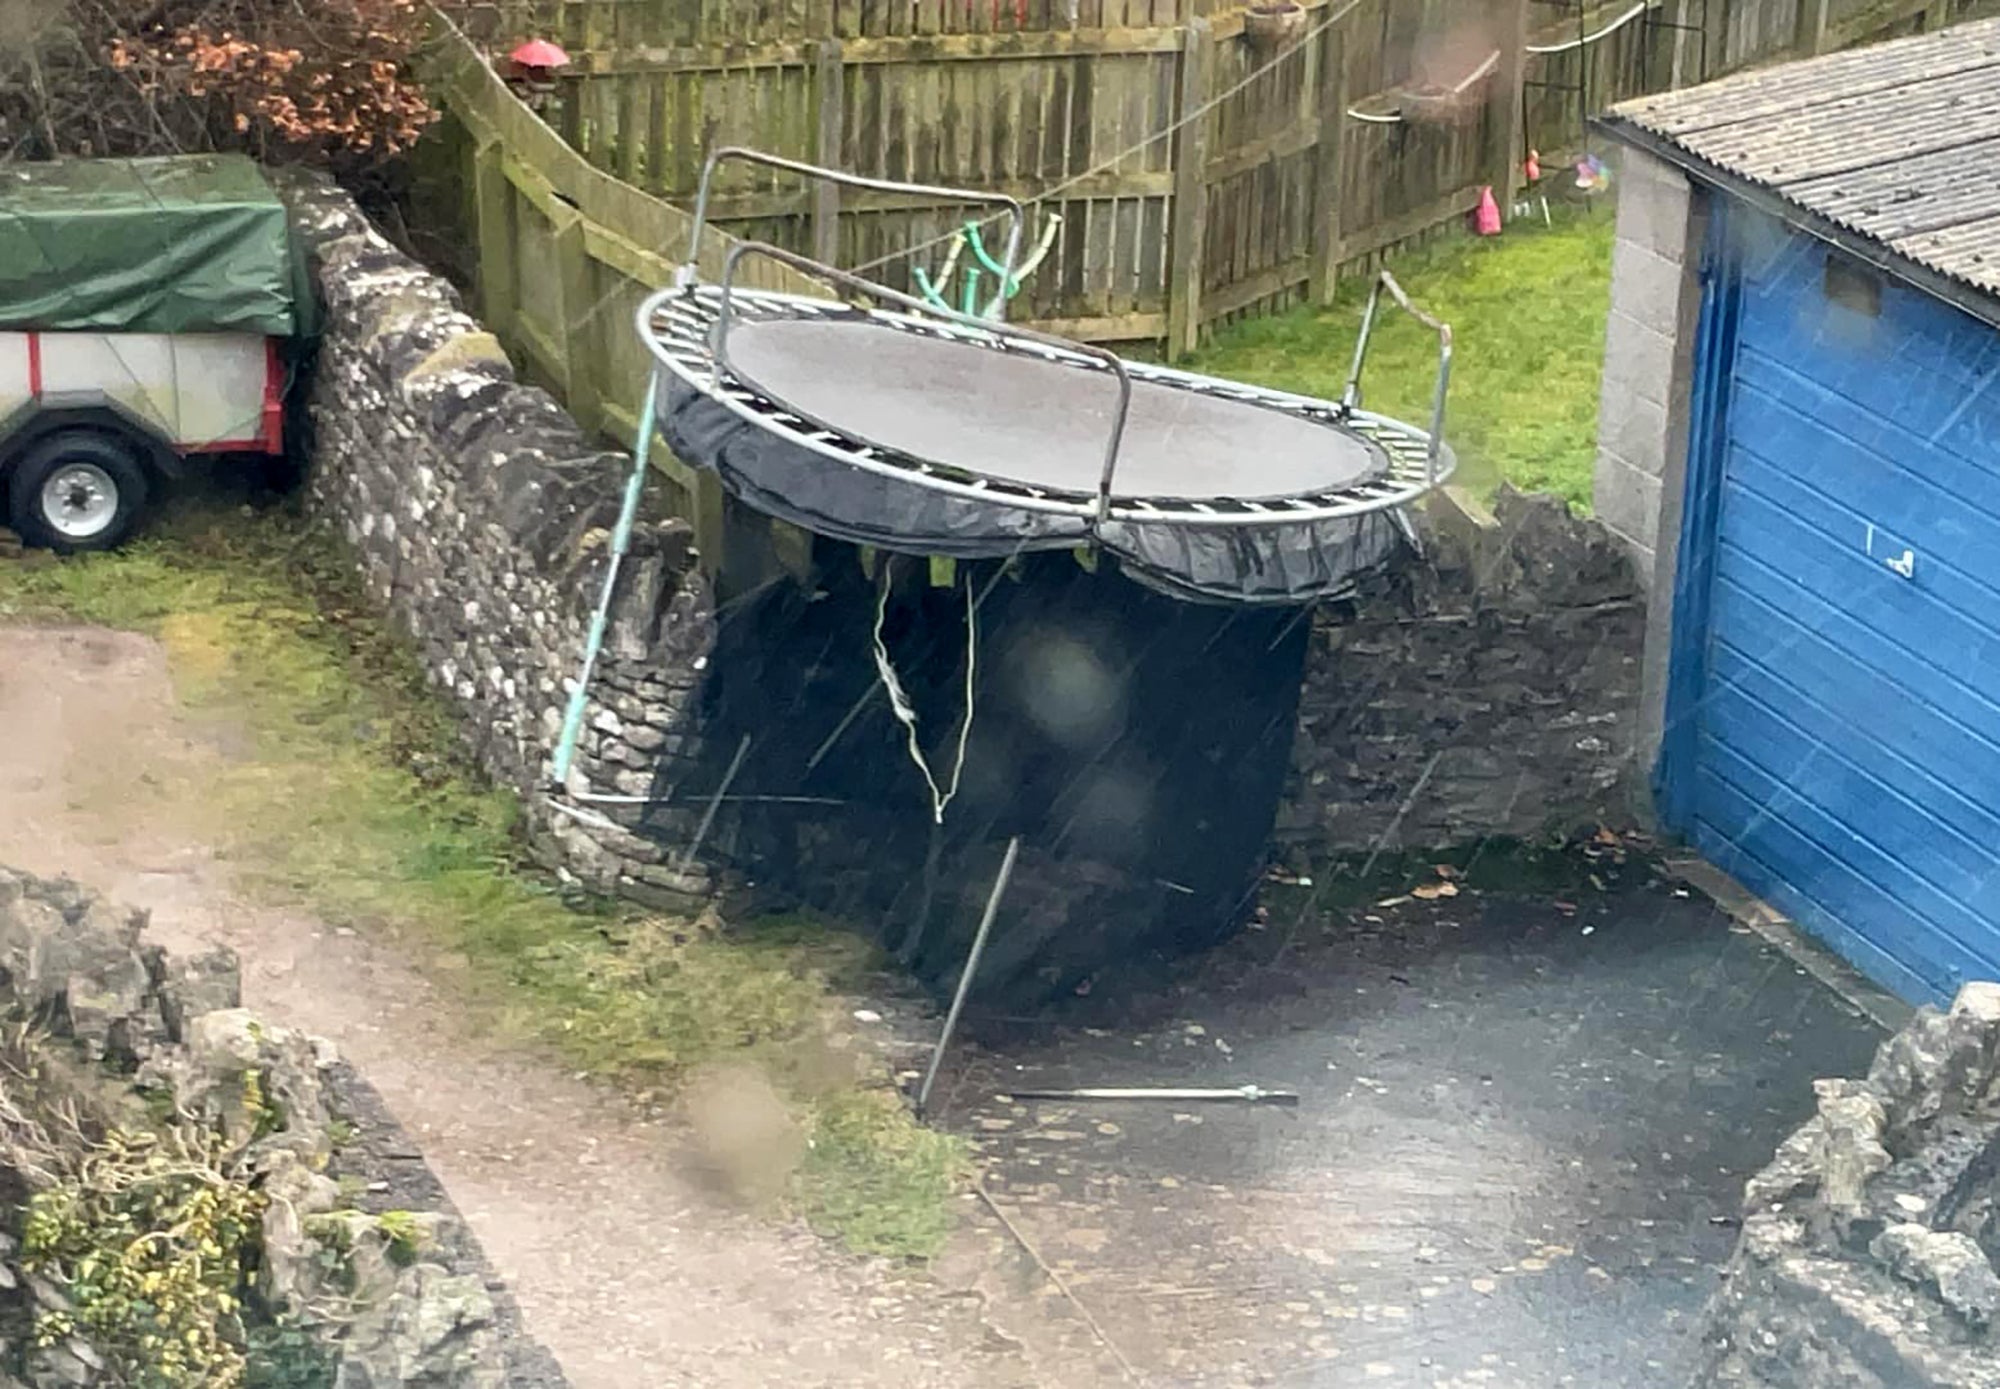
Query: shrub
x=330, y=82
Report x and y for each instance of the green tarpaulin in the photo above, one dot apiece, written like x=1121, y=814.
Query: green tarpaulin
x=182, y=244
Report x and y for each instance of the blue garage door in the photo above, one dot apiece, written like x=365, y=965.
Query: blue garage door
x=1842, y=753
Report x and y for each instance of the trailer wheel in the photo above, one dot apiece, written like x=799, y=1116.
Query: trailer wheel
x=76, y=490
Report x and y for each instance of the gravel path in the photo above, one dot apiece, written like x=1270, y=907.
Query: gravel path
x=625, y=1266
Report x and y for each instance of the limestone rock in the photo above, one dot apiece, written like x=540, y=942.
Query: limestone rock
x=201, y=984
x=1946, y=1262
x=435, y=1331
x=1851, y=1148
x=291, y=1274
x=259, y=1083
x=73, y=961
x=68, y=1365
x=1835, y=1283
x=1908, y=1069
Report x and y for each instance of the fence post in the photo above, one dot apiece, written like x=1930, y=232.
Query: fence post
x=1813, y=16
x=826, y=196
x=493, y=234
x=1328, y=155
x=1508, y=110
x=581, y=388
x=1190, y=212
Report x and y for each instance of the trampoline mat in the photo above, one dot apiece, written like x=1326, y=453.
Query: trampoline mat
x=1028, y=420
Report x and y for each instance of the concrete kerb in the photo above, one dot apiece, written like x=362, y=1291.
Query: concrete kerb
x=1754, y=914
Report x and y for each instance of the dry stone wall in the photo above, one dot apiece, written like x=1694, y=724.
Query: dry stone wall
x=1490, y=688
x=480, y=516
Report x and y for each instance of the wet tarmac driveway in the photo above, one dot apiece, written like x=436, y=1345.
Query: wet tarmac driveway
x=1521, y=1139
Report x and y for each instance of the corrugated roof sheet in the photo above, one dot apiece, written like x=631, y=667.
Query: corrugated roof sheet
x=1898, y=142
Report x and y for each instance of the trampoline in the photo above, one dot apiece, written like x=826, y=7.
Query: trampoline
x=878, y=418
x=893, y=423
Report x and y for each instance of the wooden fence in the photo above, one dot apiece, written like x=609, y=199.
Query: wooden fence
x=562, y=253
x=1164, y=233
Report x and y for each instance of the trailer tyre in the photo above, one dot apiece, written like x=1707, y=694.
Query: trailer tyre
x=76, y=490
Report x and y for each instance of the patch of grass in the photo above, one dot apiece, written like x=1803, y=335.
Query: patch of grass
x=1527, y=313
x=879, y=1178
x=349, y=795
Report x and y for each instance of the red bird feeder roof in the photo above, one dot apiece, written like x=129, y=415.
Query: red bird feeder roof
x=539, y=53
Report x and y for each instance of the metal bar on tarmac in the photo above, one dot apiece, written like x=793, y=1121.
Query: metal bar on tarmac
x=1240, y=1094
x=971, y=968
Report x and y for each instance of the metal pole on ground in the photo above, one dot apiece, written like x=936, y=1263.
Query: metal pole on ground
x=971, y=968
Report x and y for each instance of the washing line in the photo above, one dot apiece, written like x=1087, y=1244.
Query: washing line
x=1200, y=111
x=1539, y=50
x=1570, y=45
x=1458, y=88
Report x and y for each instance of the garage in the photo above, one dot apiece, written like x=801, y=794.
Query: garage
x=1808, y=288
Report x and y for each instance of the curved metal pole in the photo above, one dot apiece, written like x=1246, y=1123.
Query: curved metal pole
x=1351, y=396
x=1111, y=360
x=1051, y=223
x=1016, y=215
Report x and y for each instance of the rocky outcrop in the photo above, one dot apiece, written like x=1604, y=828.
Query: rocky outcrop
x=128, y=1035
x=76, y=966
x=1870, y=1243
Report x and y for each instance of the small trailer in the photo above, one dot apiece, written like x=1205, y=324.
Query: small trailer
x=149, y=310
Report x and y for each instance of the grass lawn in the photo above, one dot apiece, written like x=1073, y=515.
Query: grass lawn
x=1527, y=314
x=354, y=800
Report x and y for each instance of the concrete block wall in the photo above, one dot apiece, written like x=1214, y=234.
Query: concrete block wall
x=1648, y=358
x=1642, y=432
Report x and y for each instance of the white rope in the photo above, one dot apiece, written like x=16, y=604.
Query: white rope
x=1457, y=89
x=1542, y=49
x=1115, y=160
x=1492, y=62
x=899, y=699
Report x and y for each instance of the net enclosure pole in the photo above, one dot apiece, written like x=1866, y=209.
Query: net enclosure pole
x=621, y=541
x=971, y=969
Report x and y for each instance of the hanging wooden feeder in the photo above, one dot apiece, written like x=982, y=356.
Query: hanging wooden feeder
x=1456, y=103
x=1268, y=28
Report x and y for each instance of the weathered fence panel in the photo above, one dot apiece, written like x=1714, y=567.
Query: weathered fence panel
x=1308, y=152
x=565, y=252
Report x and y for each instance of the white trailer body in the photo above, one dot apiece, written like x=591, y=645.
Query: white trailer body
x=196, y=392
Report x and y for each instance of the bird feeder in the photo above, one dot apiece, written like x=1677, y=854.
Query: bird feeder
x=1458, y=102
x=533, y=65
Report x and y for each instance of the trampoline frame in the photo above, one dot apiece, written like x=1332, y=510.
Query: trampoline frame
x=686, y=329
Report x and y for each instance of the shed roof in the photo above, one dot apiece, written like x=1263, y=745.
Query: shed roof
x=1896, y=144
